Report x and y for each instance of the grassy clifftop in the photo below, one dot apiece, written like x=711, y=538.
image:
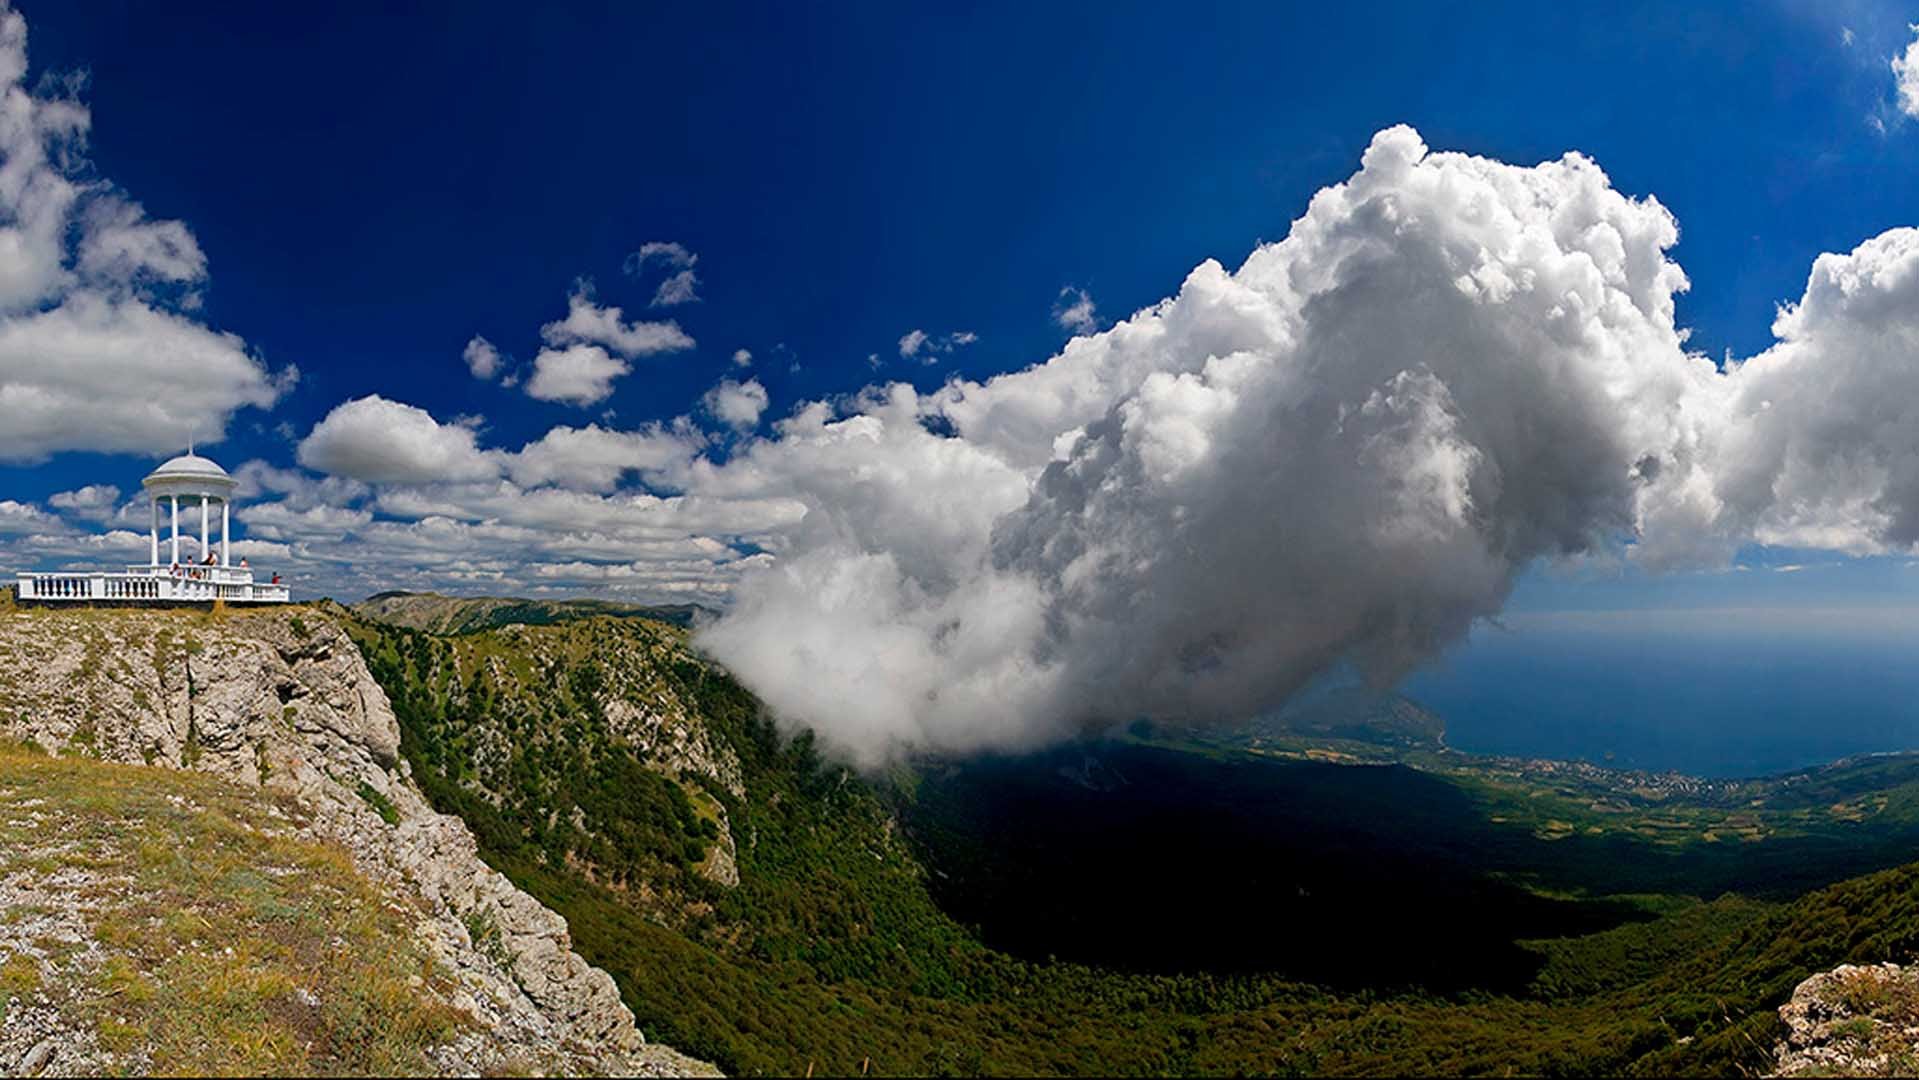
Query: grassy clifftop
x=163, y=921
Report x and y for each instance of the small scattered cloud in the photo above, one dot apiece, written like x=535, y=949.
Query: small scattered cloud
x=742, y=358
x=661, y=252
x=681, y=285
x=587, y=323
x=737, y=405
x=681, y=288
x=482, y=359
x=577, y=375
x=1073, y=310
x=1847, y=37
x=918, y=344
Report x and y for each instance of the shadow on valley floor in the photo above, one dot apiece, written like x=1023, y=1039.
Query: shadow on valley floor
x=1153, y=860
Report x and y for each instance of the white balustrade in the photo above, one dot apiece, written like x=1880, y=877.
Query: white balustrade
x=197, y=584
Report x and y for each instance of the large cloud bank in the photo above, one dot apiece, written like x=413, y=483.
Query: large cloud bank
x=1334, y=459
x=1339, y=455
x=98, y=350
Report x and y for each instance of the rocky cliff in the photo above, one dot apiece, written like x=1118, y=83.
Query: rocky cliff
x=281, y=700
x=1855, y=1020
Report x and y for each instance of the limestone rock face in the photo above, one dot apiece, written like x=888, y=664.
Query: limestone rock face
x=1852, y=1021
x=283, y=698
x=675, y=743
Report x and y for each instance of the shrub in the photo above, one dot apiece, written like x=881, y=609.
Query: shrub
x=381, y=805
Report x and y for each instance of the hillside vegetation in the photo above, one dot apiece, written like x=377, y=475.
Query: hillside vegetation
x=162, y=921
x=592, y=757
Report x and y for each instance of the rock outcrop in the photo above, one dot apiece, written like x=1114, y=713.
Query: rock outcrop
x=1852, y=1021
x=283, y=699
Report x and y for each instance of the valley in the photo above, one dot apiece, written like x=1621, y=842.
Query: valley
x=1155, y=901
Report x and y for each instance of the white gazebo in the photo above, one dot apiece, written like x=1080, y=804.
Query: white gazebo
x=188, y=481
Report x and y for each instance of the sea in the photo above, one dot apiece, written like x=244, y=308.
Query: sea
x=1719, y=692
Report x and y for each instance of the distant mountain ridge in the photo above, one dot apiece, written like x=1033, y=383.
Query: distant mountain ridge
x=437, y=614
x=1381, y=717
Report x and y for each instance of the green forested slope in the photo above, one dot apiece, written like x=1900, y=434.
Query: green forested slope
x=832, y=951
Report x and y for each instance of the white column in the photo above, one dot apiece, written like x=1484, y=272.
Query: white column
x=175, y=499
x=226, y=534
x=154, y=534
x=203, y=528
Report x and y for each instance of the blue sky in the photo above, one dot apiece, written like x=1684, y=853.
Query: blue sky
x=291, y=227
x=371, y=190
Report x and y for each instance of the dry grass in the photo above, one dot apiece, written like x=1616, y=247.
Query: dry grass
x=231, y=946
x=1868, y=992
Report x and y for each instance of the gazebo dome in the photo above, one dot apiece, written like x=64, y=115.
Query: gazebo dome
x=189, y=470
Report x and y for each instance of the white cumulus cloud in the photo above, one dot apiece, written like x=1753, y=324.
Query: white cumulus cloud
x=1336, y=457
x=26, y=519
x=735, y=404
x=95, y=502
x=380, y=441
x=580, y=375
x=1905, y=74
x=594, y=458
x=482, y=358
x=1821, y=447
x=1074, y=311
x=96, y=349
x=587, y=323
